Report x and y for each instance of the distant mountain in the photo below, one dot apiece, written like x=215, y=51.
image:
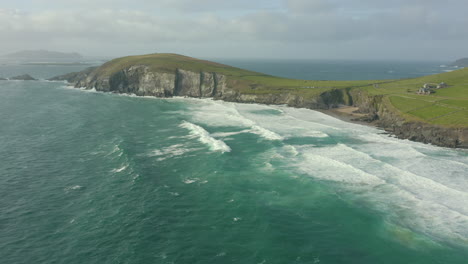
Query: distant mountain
x=42, y=55
x=460, y=63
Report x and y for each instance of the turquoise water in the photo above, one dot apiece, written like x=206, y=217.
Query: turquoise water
x=88, y=177
x=99, y=178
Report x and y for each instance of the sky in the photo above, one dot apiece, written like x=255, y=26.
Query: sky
x=279, y=29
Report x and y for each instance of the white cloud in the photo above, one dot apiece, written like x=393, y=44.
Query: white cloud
x=244, y=27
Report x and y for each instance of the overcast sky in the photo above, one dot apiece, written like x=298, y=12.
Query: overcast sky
x=311, y=29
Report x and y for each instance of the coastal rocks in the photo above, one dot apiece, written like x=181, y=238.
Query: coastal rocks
x=333, y=98
x=24, y=77
x=277, y=99
x=74, y=76
x=440, y=136
x=3, y=79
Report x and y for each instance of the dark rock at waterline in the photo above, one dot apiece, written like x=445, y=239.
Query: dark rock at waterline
x=2, y=79
x=24, y=77
x=74, y=76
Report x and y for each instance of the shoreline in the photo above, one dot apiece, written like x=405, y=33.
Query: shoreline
x=343, y=112
x=347, y=114
x=384, y=120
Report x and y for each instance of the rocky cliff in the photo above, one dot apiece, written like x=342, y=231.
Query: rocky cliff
x=143, y=81
x=140, y=80
x=380, y=110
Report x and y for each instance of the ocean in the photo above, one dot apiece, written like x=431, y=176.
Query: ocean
x=339, y=69
x=89, y=177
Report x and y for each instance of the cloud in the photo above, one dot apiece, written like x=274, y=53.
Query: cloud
x=209, y=25
x=309, y=7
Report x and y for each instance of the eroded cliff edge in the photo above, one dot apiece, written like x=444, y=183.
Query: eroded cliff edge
x=143, y=81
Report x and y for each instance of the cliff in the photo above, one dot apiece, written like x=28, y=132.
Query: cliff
x=168, y=75
x=141, y=81
x=222, y=82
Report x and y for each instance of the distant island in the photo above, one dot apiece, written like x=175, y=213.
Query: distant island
x=57, y=63
x=439, y=117
x=460, y=63
x=23, y=77
x=42, y=56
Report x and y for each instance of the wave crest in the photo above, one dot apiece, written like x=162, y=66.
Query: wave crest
x=205, y=137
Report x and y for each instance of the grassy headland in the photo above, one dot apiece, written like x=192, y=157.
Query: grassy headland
x=447, y=107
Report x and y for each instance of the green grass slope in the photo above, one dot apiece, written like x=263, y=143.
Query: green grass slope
x=447, y=107
x=247, y=82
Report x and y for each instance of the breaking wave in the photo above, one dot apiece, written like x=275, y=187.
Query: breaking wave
x=205, y=137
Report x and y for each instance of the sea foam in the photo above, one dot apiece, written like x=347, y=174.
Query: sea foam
x=409, y=193
x=223, y=114
x=418, y=186
x=170, y=152
x=205, y=137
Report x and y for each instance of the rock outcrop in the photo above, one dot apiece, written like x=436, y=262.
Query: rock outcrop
x=24, y=77
x=74, y=76
x=2, y=79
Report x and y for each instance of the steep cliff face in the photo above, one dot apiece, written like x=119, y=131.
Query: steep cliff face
x=207, y=84
x=188, y=83
x=140, y=80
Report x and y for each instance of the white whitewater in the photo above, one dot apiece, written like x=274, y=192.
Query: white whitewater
x=204, y=137
x=418, y=186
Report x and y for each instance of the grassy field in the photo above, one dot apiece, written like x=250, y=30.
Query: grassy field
x=447, y=107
